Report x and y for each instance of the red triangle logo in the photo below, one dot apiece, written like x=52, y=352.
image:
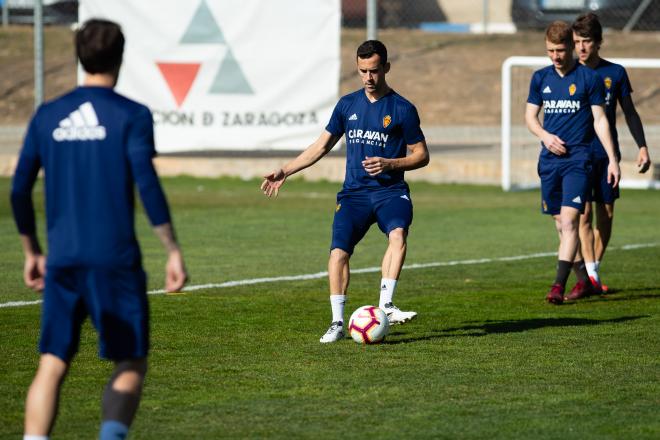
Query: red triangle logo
x=179, y=78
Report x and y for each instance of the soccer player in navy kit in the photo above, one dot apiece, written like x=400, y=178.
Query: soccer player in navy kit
x=588, y=36
x=572, y=98
x=383, y=139
x=94, y=145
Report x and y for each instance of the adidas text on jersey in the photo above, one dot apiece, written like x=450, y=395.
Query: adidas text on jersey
x=81, y=125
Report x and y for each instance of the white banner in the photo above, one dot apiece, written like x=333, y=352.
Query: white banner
x=229, y=74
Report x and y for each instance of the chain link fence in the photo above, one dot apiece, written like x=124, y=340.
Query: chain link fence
x=631, y=15
x=393, y=13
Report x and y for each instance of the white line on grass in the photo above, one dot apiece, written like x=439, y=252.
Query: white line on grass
x=314, y=276
x=20, y=303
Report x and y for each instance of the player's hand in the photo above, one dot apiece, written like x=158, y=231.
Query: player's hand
x=554, y=144
x=175, y=272
x=272, y=182
x=34, y=271
x=643, y=160
x=613, y=173
x=376, y=165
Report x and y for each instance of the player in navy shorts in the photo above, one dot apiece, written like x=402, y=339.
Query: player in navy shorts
x=572, y=98
x=94, y=146
x=383, y=139
x=588, y=36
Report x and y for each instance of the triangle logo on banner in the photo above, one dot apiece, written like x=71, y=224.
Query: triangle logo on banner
x=203, y=28
x=179, y=78
x=230, y=78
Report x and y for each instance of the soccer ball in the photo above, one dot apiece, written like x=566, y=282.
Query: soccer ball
x=368, y=325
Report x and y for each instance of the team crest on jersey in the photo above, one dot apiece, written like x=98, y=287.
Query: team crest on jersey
x=608, y=83
x=338, y=207
x=386, y=121
x=572, y=89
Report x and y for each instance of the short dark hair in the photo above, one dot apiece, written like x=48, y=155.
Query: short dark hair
x=588, y=26
x=100, y=46
x=559, y=32
x=371, y=47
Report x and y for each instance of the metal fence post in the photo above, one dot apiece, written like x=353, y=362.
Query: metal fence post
x=38, y=27
x=485, y=16
x=5, y=13
x=636, y=15
x=372, y=19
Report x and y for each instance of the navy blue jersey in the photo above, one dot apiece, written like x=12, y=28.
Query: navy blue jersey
x=383, y=128
x=617, y=85
x=566, y=103
x=93, y=145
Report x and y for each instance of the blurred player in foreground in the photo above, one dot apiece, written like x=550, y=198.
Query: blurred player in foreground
x=93, y=145
x=588, y=37
x=383, y=139
x=572, y=97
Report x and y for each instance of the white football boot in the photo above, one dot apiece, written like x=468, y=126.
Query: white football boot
x=396, y=316
x=335, y=333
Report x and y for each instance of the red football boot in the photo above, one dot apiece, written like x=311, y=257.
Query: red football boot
x=599, y=289
x=582, y=289
x=556, y=294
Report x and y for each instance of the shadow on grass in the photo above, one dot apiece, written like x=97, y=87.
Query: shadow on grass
x=619, y=294
x=511, y=326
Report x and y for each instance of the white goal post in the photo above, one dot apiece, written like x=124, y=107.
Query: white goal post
x=520, y=148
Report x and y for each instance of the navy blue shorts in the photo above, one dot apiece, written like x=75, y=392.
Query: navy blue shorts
x=564, y=183
x=355, y=213
x=601, y=191
x=114, y=299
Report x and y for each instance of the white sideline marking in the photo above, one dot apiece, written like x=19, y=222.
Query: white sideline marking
x=314, y=276
x=20, y=303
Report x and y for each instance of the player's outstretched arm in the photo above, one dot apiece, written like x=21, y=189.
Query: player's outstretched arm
x=175, y=269
x=602, y=128
x=312, y=154
x=553, y=143
x=418, y=157
x=34, y=269
x=637, y=130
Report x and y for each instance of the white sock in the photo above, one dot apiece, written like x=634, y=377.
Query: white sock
x=337, y=302
x=387, y=287
x=592, y=271
x=35, y=437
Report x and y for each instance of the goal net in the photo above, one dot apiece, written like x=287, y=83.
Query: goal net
x=520, y=148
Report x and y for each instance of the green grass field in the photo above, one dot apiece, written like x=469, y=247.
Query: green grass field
x=486, y=358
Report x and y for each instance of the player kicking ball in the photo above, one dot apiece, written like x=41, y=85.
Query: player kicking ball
x=588, y=36
x=572, y=97
x=383, y=139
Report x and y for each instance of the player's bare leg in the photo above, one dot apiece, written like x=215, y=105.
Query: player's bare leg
x=339, y=277
x=570, y=256
x=567, y=225
x=121, y=398
x=339, y=271
x=395, y=255
x=603, y=232
x=393, y=260
x=587, y=234
x=570, y=238
x=587, y=244
x=43, y=396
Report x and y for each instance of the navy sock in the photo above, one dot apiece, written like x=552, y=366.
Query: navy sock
x=563, y=270
x=580, y=270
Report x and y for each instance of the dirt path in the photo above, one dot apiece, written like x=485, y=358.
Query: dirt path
x=452, y=79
